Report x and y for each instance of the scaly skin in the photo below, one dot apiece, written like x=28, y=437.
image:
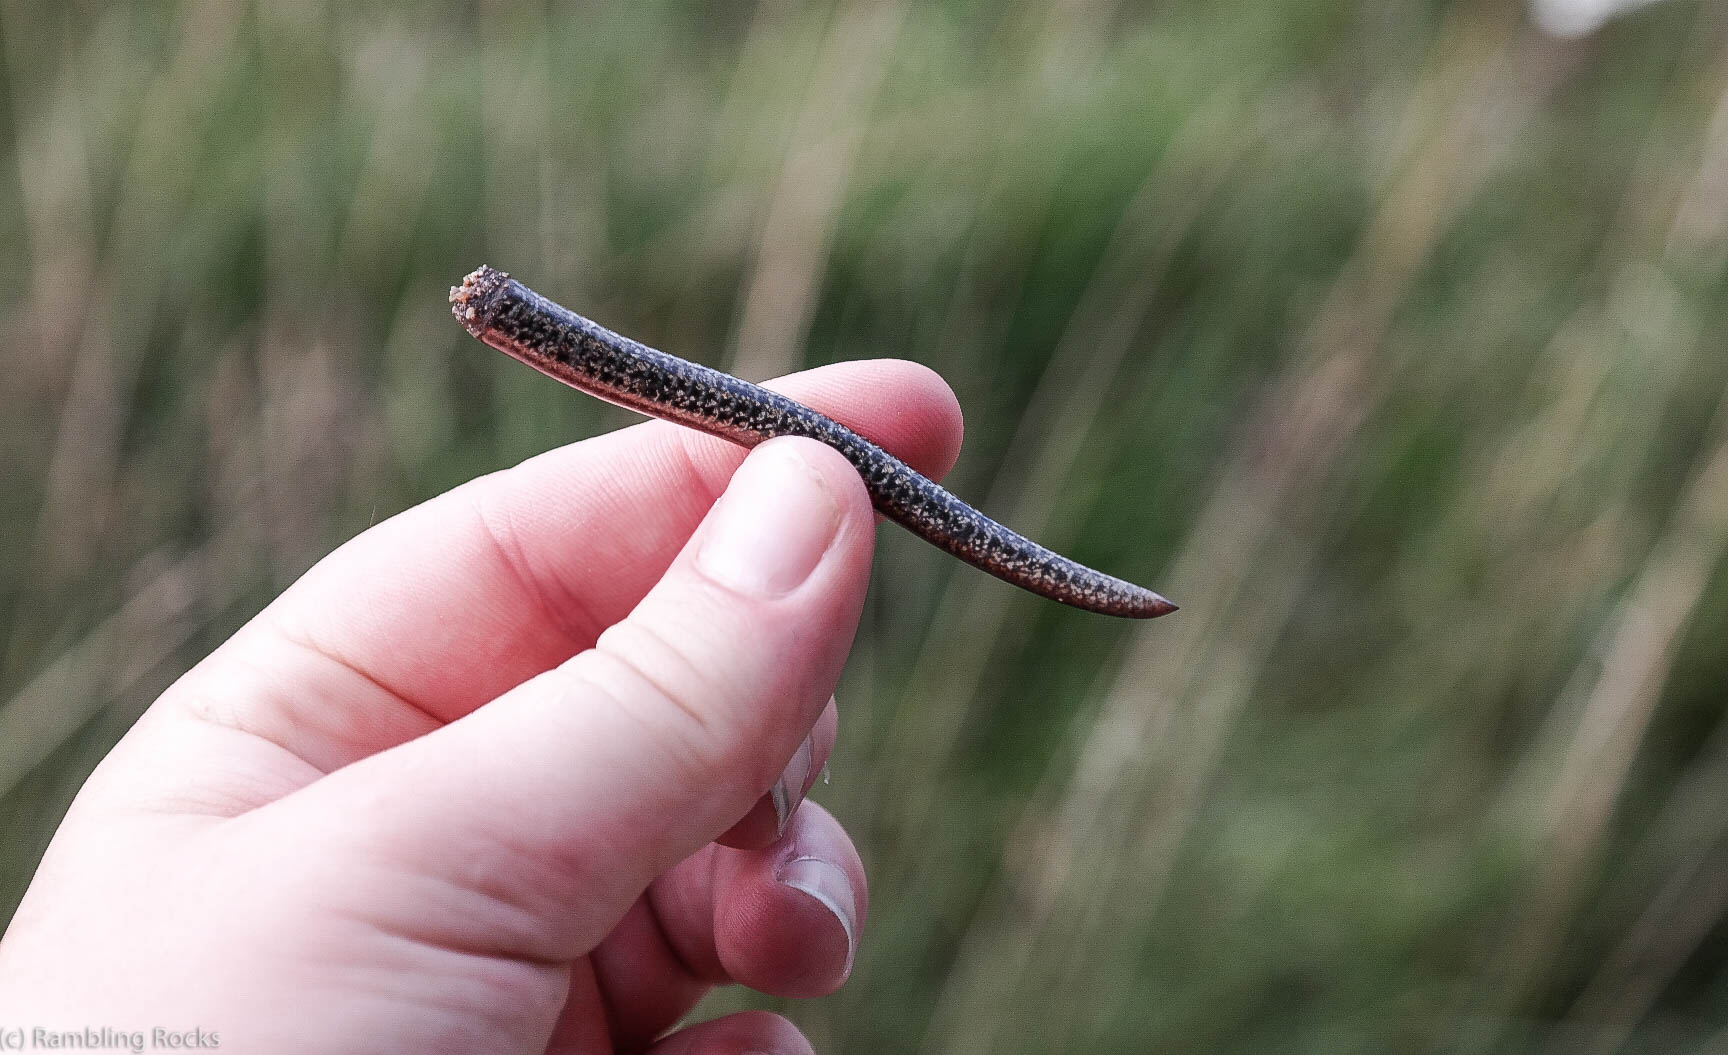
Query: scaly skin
x=556, y=341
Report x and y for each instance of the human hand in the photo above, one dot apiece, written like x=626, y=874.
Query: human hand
x=500, y=774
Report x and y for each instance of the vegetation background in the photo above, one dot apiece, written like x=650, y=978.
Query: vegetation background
x=1385, y=337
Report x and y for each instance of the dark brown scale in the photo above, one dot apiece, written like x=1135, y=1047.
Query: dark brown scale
x=555, y=340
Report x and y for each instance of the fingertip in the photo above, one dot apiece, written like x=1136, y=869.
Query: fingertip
x=904, y=406
x=828, y=885
x=744, y=1033
x=772, y=814
x=787, y=919
x=932, y=414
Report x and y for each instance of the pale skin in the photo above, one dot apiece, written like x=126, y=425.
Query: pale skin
x=499, y=775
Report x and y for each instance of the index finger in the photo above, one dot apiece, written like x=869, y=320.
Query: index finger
x=428, y=615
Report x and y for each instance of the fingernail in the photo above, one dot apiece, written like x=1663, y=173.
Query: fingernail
x=788, y=792
x=831, y=889
x=769, y=530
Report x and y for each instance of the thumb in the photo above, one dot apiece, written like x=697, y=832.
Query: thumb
x=565, y=796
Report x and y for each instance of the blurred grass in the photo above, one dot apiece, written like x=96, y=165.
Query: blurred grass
x=1385, y=338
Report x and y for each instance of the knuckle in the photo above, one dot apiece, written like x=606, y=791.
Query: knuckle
x=563, y=608
x=655, y=681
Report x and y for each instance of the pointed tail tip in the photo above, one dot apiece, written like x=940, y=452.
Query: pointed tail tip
x=1156, y=606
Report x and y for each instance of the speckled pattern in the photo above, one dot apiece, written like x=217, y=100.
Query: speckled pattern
x=554, y=340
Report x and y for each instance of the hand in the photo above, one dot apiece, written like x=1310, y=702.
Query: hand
x=500, y=774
